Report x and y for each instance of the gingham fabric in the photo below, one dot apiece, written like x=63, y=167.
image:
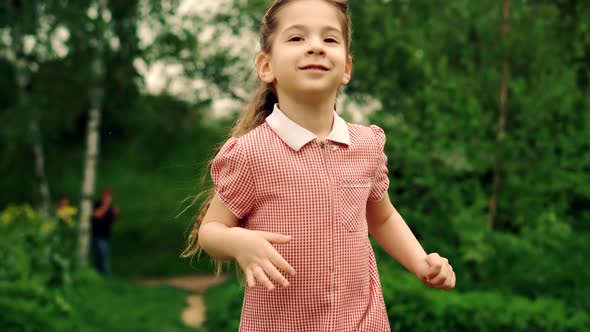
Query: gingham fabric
x=279, y=178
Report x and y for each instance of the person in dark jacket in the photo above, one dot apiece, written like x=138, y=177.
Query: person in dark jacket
x=103, y=217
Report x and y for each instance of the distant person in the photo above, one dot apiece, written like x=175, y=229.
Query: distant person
x=65, y=212
x=103, y=217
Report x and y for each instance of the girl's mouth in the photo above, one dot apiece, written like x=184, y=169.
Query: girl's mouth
x=314, y=67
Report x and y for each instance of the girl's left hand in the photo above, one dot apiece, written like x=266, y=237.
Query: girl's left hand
x=440, y=273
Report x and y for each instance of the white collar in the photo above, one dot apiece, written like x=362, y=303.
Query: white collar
x=296, y=136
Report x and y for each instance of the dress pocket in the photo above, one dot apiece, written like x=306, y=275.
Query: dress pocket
x=352, y=200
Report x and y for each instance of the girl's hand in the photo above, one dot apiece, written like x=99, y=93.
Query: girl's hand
x=259, y=259
x=439, y=274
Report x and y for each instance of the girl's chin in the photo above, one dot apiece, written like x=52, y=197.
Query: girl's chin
x=319, y=88
x=317, y=93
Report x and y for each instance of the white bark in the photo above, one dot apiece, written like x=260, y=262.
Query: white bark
x=39, y=154
x=23, y=80
x=92, y=140
x=90, y=161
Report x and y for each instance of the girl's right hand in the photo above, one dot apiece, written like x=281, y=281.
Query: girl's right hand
x=258, y=258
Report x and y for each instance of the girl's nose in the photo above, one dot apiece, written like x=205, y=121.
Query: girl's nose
x=316, y=47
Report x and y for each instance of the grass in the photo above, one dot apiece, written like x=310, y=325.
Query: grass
x=149, y=237
x=150, y=179
x=112, y=305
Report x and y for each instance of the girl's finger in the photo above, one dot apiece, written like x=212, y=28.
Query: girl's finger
x=433, y=258
x=280, y=262
x=275, y=237
x=441, y=277
x=250, y=278
x=274, y=274
x=453, y=280
x=448, y=284
x=434, y=270
x=262, y=278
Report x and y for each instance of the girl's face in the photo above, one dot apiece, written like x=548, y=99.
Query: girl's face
x=309, y=53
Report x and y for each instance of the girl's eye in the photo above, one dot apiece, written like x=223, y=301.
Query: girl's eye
x=330, y=40
x=295, y=39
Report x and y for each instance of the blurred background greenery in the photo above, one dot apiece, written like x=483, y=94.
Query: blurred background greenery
x=486, y=108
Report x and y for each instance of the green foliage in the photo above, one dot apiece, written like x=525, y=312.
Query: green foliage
x=29, y=306
x=111, y=305
x=413, y=307
x=33, y=248
x=152, y=190
x=224, y=305
x=151, y=175
x=544, y=260
x=437, y=72
x=39, y=290
x=34, y=273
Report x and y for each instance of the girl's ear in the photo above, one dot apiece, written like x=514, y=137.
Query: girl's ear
x=347, y=70
x=263, y=67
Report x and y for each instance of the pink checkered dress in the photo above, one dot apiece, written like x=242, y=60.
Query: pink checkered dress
x=280, y=178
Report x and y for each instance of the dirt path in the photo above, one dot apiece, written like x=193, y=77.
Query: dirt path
x=194, y=314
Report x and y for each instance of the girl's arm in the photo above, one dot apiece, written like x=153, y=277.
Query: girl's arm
x=392, y=233
x=220, y=237
x=214, y=235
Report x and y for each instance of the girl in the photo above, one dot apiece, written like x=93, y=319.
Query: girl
x=297, y=189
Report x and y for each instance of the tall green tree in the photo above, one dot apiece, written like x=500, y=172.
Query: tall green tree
x=22, y=18
x=95, y=97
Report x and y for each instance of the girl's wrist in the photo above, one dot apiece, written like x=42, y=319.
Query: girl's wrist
x=234, y=240
x=420, y=267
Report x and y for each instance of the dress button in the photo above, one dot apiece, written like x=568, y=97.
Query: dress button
x=328, y=146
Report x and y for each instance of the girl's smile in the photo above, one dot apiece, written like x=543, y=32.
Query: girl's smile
x=315, y=67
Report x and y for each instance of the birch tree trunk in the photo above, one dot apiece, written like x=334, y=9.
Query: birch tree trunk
x=501, y=131
x=23, y=82
x=92, y=139
x=39, y=154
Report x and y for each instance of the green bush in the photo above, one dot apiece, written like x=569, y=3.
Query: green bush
x=412, y=306
x=539, y=263
x=34, y=248
x=41, y=291
x=35, y=272
x=26, y=306
x=224, y=305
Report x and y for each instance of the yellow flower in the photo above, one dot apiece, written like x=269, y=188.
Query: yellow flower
x=67, y=213
x=29, y=212
x=5, y=218
x=14, y=212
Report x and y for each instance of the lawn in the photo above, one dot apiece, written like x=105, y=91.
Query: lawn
x=113, y=305
x=150, y=186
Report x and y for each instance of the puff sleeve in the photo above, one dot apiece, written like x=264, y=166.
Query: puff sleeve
x=233, y=178
x=380, y=179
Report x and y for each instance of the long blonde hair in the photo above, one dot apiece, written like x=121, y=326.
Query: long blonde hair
x=260, y=106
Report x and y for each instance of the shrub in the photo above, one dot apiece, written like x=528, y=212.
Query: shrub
x=224, y=306
x=412, y=306
x=34, y=273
